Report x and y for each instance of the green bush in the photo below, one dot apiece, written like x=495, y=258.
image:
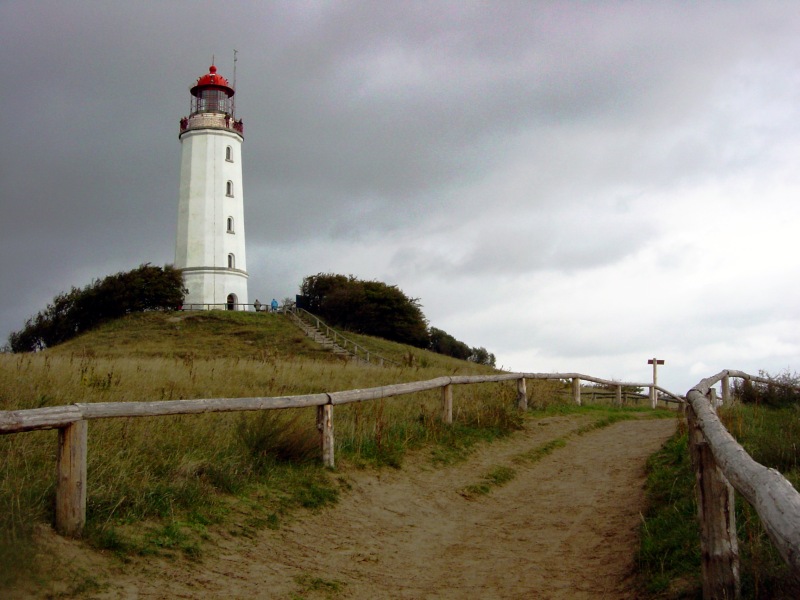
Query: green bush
x=367, y=307
x=145, y=288
x=783, y=390
x=442, y=342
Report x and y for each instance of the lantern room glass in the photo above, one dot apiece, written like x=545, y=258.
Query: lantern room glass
x=210, y=100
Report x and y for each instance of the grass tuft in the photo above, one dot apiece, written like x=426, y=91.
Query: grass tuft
x=539, y=452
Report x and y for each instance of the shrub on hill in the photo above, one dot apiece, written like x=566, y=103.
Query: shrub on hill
x=367, y=307
x=142, y=289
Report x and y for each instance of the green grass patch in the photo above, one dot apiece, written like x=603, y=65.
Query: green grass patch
x=539, y=452
x=496, y=477
x=603, y=422
x=309, y=584
x=669, y=555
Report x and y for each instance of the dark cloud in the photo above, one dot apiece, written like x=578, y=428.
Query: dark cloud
x=458, y=150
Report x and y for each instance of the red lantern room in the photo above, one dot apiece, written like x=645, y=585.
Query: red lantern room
x=212, y=105
x=212, y=93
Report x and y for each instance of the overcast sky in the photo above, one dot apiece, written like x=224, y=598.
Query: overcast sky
x=576, y=186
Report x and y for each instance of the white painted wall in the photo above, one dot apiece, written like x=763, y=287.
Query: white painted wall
x=203, y=242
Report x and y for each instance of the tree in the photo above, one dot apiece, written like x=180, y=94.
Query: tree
x=142, y=289
x=368, y=307
x=442, y=342
x=482, y=356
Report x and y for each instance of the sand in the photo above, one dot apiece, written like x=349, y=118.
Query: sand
x=565, y=526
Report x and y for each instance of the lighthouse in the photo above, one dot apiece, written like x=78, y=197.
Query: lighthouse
x=210, y=249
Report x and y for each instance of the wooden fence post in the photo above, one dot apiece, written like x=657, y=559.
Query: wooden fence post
x=576, y=390
x=325, y=427
x=715, y=509
x=618, y=398
x=726, y=390
x=71, y=479
x=712, y=397
x=522, y=394
x=447, y=403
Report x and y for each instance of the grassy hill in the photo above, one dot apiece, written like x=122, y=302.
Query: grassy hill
x=230, y=334
x=162, y=485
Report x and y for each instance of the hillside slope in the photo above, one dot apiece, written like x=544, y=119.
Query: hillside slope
x=224, y=334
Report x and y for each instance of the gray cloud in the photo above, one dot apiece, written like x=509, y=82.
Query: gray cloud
x=513, y=164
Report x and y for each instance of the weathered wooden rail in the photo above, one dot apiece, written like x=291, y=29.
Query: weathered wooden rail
x=722, y=465
x=72, y=422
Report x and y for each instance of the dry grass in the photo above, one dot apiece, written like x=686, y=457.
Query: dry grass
x=157, y=485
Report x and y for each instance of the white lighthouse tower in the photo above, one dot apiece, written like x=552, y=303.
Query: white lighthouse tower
x=210, y=247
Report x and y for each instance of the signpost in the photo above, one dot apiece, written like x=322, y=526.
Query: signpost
x=653, y=394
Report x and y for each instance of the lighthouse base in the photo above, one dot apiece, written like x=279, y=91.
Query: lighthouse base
x=215, y=288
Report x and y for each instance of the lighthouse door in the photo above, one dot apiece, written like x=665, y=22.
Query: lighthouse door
x=231, y=302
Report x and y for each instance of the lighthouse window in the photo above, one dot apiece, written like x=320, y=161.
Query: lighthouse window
x=231, y=261
x=229, y=189
x=229, y=154
x=230, y=224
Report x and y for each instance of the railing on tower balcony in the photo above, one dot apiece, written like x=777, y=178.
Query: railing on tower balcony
x=209, y=120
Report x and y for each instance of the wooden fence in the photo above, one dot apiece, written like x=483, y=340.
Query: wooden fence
x=718, y=459
x=722, y=465
x=72, y=422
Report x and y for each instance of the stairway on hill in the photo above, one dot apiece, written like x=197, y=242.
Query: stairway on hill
x=323, y=340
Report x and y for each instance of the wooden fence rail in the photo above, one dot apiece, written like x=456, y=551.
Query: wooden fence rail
x=722, y=465
x=72, y=422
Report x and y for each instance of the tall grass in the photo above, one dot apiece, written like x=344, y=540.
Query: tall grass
x=157, y=484
x=771, y=436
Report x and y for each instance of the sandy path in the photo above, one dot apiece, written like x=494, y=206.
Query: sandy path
x=564, y=527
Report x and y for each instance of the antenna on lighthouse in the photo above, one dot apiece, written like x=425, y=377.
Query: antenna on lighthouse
x=233, y=98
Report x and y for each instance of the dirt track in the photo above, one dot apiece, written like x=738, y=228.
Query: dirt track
x=563, y=527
